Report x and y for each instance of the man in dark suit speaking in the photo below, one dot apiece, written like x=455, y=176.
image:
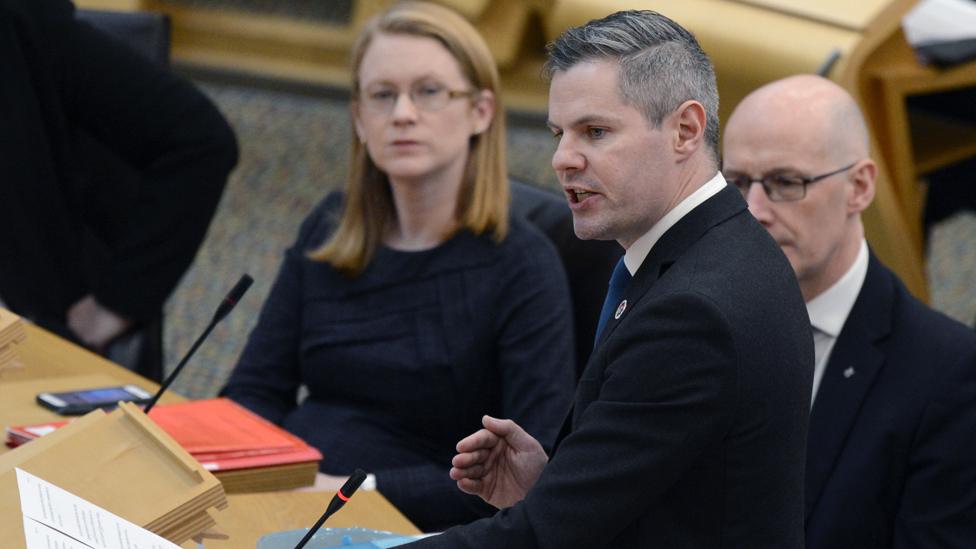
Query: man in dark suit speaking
x=891, y=455
x=689, y=424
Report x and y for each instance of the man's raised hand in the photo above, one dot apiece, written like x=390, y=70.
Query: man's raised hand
x=499, y=463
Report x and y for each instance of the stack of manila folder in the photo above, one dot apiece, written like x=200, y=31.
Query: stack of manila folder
x=11, y=334
x=123, y=462
x=246, y=452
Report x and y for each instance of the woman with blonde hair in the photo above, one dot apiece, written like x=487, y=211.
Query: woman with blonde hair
x=412, y=303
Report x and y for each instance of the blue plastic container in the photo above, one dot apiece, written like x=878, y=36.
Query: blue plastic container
x=327, y=538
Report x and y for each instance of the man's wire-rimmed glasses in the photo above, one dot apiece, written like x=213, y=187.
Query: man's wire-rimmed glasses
x=780, y=187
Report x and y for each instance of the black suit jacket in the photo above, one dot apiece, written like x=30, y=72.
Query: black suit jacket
x=892, y=447
x=690, y=420
x=67, y=233
x=588, y=263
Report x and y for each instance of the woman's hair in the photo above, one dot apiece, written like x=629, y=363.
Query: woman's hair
x=482, y=203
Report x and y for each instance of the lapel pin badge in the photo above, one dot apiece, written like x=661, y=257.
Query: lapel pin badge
x=620, y=310
x=849, y=372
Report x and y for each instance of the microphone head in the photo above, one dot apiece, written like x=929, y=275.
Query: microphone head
x=352, y=484
x=338, y=500
x=238, y=290
x=233, y=297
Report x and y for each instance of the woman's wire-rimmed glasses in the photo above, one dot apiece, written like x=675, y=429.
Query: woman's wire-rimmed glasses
x=426, y=96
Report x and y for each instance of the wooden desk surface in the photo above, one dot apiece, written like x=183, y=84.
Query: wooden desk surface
x=51, y=363
x=250, y=516
x=44, y=355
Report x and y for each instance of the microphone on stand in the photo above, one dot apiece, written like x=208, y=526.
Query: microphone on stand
x=225, y=307
x=338, y=500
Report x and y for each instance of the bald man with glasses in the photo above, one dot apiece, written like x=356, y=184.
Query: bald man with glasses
x=891, y=452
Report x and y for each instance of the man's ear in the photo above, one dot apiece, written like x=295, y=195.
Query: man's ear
x=861, y=177
x=482, y=111
x=689, y=118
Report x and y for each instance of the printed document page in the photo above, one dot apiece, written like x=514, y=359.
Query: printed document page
x=85, y=524
x=39, y=536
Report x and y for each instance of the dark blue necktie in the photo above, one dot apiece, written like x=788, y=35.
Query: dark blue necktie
x=618, y=284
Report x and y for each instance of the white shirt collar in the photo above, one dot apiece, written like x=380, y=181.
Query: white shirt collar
x=828, y=311
x=642, y=246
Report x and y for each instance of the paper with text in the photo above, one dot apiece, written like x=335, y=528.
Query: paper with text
x=87, y=524
x=39, y=536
